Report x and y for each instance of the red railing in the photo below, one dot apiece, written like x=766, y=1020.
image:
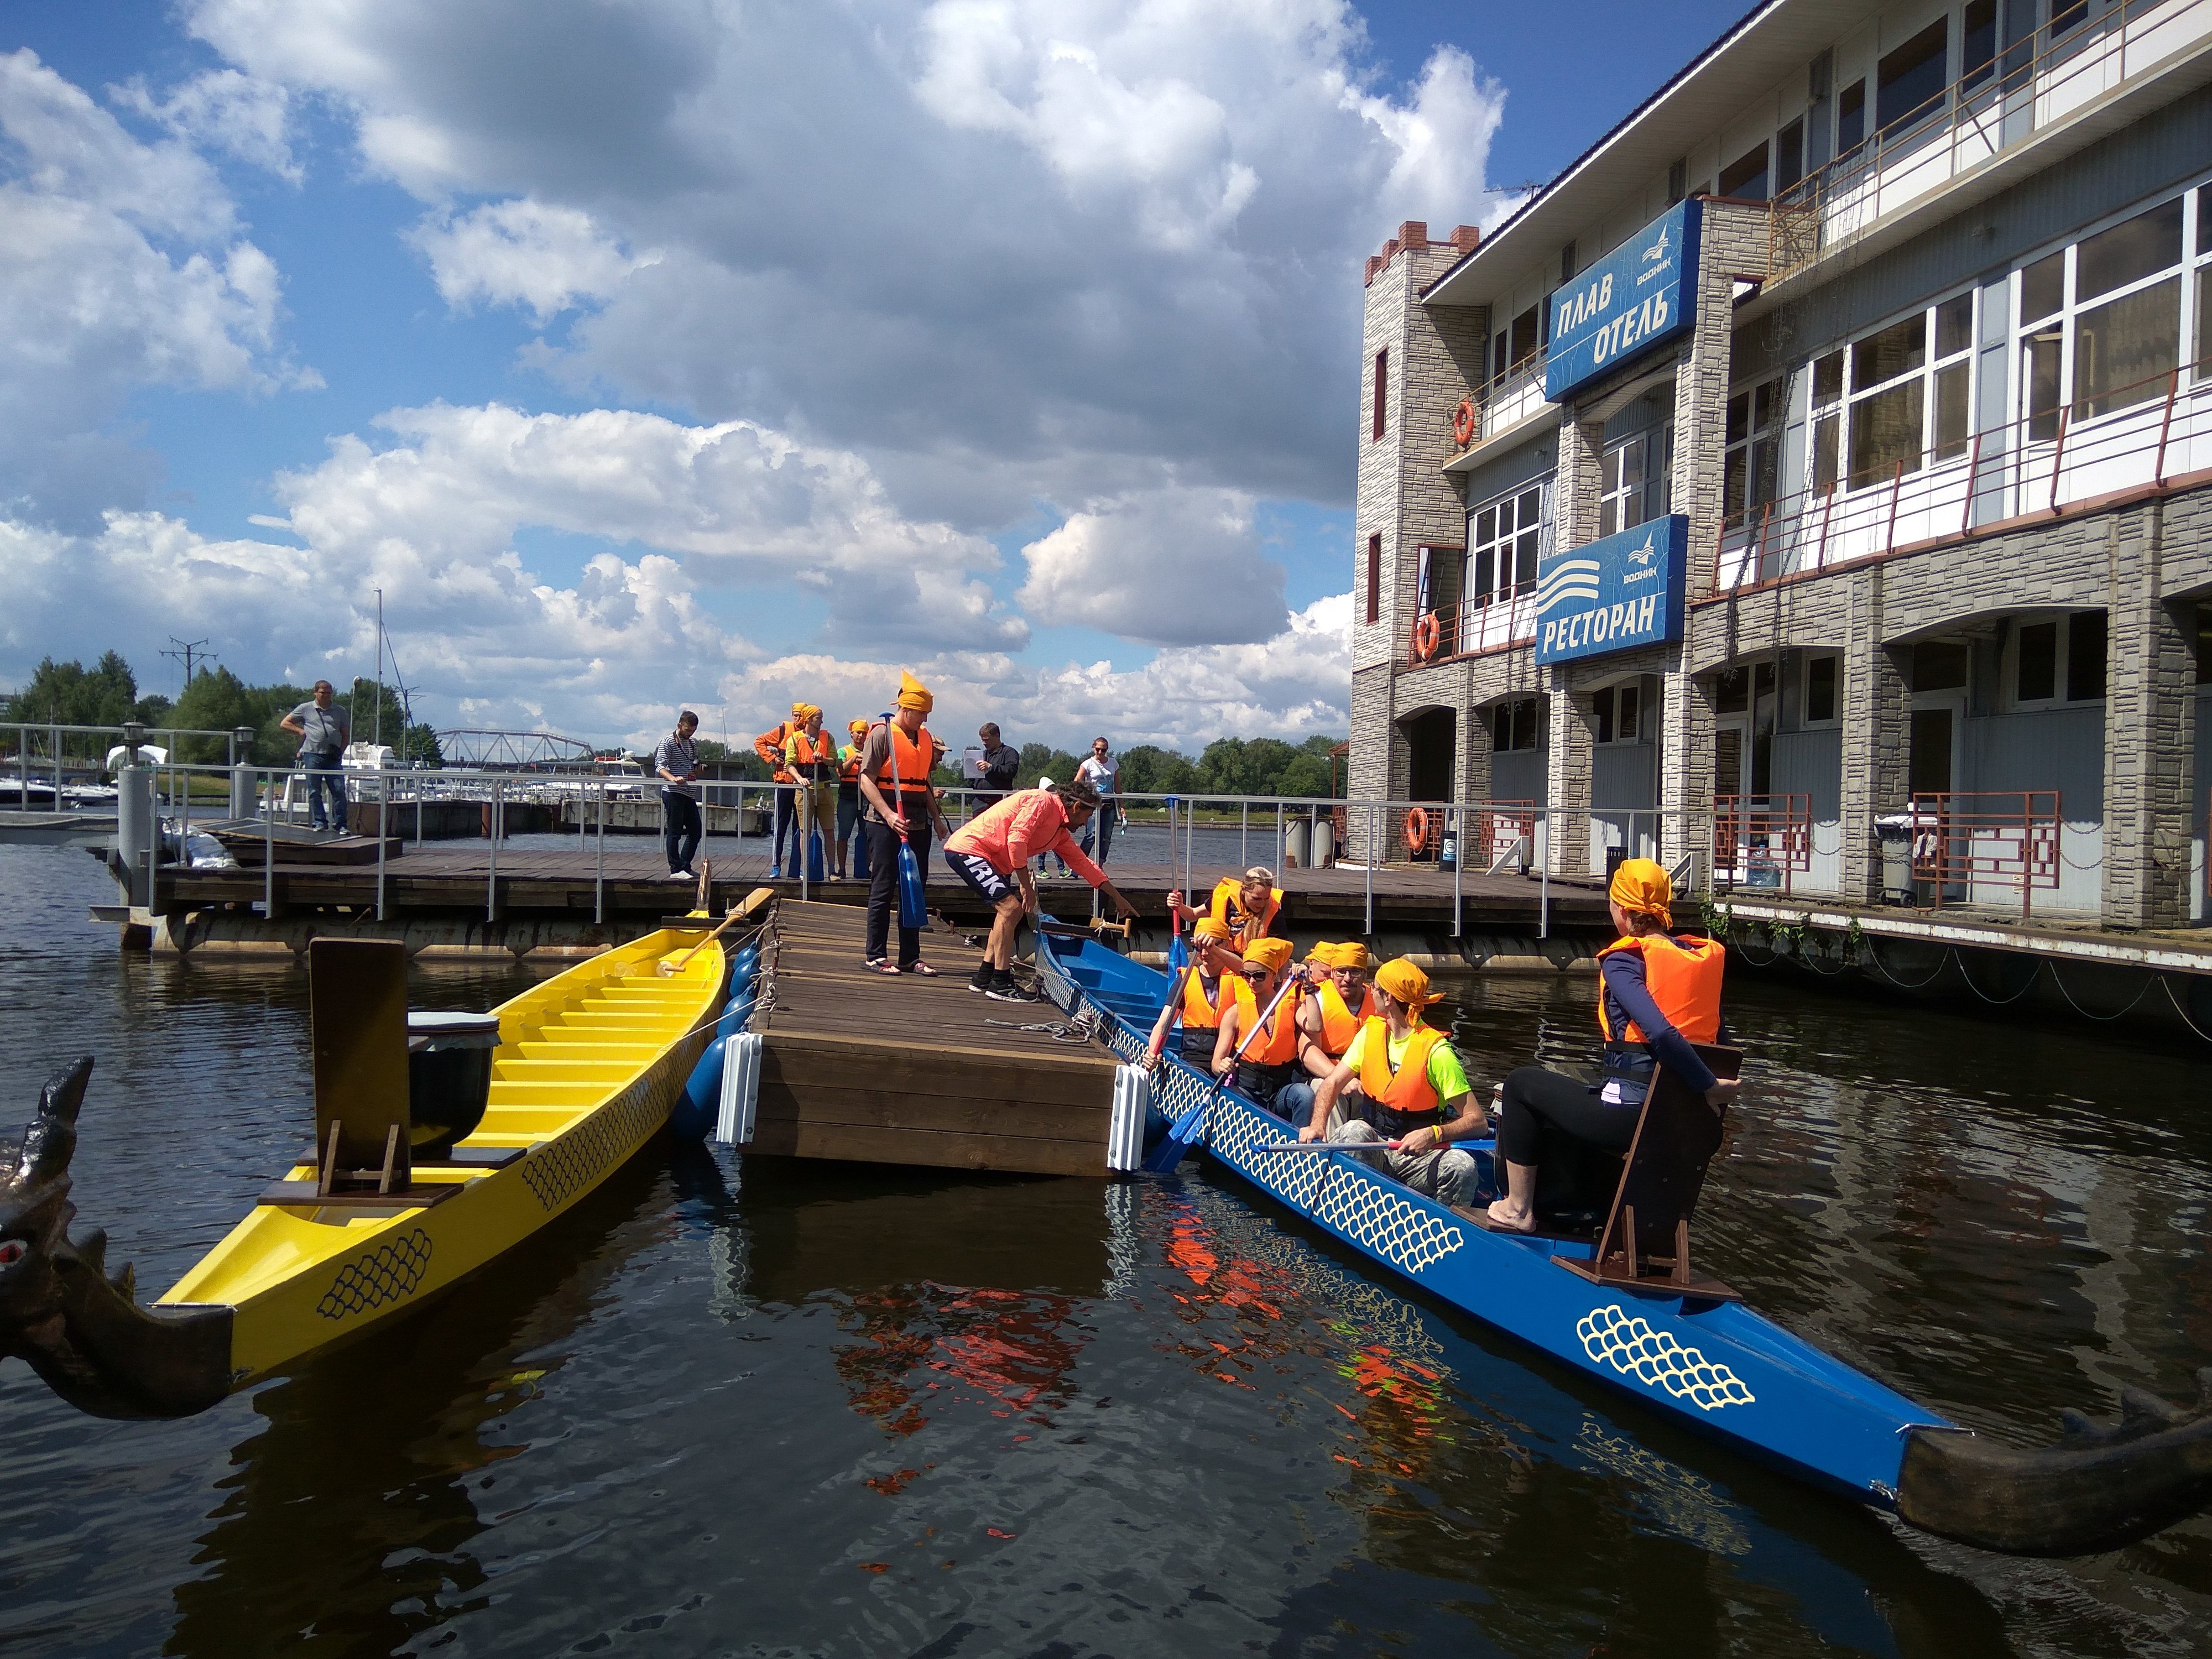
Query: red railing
x=1461, y=627
x=1489, y=831
x=2008, y=838
x=2043, y=463
x=1762, y=841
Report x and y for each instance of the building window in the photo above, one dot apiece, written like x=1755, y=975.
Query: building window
x=1977, y=42
x=1678, y=180
x=1525, y=340
x=1374, y=578
x=1567, y=266
x=1625, y=475
x=1619, y=713
x=1909, y=82
x=1516, y=723
x=2058, y=659
x=1789, y=157
x=1850, y=118
x=1822, y=677
x=2100, y=322
x=1752, y=453
x=1381, y=388
x=1895, y=396
x=1745, y=178
x=1503, y=540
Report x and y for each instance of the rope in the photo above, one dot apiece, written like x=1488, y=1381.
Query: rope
x=2102, y=1019
x=1874, y=955
x=2183, y=1013
x=1059, y=1030
x=2026, y=986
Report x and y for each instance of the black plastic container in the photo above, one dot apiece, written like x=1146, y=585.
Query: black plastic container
x=448, y=1077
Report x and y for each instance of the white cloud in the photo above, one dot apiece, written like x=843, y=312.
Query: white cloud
x=1168, y=567
x=222, y=111
x=524, y=252
x=1010, y=250
x=120, y=266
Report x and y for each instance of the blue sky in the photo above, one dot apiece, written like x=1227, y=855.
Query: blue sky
x=692, y=353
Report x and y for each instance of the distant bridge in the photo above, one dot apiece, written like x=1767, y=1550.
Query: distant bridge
x=516, y=751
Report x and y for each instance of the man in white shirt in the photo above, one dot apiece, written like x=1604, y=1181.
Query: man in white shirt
x=1102, y=773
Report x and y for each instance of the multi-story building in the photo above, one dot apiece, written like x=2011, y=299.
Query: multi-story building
x=1833, y=440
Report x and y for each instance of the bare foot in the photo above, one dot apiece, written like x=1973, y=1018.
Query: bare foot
x=1505, y=1217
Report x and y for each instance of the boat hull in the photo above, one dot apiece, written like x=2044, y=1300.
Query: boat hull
x=1718, y=1367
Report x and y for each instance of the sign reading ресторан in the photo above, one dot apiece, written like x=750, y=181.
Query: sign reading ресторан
x=1613, y=594
x=1642, y=295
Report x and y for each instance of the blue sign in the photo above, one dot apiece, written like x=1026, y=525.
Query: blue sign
x=1642, y=295
x=1613, y=594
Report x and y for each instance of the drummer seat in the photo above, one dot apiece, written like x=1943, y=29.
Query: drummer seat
x=1644, y=1245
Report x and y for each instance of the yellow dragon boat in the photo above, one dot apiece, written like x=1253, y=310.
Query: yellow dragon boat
x=387, y=1209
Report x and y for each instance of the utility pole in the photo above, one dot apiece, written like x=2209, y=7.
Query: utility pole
x=377, y=728
x=187, y=651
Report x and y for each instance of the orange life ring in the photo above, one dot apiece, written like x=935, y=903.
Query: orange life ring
x=1463, y=422
x=1425, y=635
x=1417, y=829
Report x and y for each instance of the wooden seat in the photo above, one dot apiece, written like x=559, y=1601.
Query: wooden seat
x=1645, y=1243
x=357, y=1010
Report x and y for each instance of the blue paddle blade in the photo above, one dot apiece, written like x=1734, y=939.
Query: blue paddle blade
x=913, y=911
x=1178, y=955
x=1186, y=1132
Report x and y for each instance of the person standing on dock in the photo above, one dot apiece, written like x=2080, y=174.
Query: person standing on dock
x=1247, y=904
x=1658, y=995
x=1001, y=762
x=1413, y=1094
x=849, y=831
x=676, y=764
x=894, y=780
x=324, y=730
x=1199, y=995
x=1102, y=773
x=769, y=747
x=991, y=853
x=811, y=760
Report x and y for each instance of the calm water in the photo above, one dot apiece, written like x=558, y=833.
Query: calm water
x=733, y=1407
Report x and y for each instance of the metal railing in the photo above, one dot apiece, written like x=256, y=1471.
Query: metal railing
x=2047, y=462
x=1466, y=627
x=1762, y=841
x=1966, y=841
x=2046, y=78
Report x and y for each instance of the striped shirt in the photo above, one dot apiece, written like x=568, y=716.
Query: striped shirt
x=679, y=755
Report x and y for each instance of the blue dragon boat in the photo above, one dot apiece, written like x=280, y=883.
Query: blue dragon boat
x=1691, y=1350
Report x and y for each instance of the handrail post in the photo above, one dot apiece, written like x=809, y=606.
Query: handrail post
x=382, y=833
x=1543, y=875
x=1828, y=510
x=1896, y=487
x=599, y=853
x=1244, y=837
x=1368, y=864
x=1459, y=859
x=2058, y=458
x=1973, y=466
x=269, y=850
x=2166, y=421
x=491, y=870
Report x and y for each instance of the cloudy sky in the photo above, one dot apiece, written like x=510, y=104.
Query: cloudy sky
x=721, y=351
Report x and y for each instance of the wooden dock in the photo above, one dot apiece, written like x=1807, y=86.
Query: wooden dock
x=867, y=1068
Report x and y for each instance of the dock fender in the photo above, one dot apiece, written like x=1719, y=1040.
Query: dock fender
x=693, y=1115
x=2099, y=1488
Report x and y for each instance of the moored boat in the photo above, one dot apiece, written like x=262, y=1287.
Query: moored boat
x=1695, y=1354
x=582, y=1070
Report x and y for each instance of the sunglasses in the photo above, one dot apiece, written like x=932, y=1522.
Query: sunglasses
x=1258, y=976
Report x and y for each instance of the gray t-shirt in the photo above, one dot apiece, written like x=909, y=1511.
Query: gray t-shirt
x=679, y=755
x=323, y=730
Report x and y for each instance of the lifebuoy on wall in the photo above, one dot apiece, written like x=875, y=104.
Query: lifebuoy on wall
x=1463, y=422
x=1416, y=827
x=1425, y=635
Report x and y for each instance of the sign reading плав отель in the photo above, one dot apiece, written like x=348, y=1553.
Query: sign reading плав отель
x=1613, y=594
x=1642, y=295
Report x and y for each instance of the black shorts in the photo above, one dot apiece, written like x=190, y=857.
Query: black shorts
x=981, y=875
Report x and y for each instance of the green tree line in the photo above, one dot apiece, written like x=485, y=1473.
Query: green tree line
x=217, y=700
x=1229, y=766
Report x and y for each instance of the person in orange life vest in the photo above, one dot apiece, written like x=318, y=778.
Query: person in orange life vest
x=1200, y=992
x=1413, y=1089
x=894, y=780
x=811, y=760
x=848, y=804
x=1658, y=994
x=1259, y=1054
x=991, y=853
x=769, y=747
x=1341, y=1003
x=1249, y=903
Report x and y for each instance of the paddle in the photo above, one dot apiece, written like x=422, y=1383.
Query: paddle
x=738, y=913
x=1192, y=1124
x=1178, y=952
x=913, y=907
x=1330, y=1145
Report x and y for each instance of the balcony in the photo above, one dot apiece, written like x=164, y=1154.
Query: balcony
x=1466, y=627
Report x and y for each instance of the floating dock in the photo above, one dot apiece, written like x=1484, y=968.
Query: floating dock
x=870, y=1068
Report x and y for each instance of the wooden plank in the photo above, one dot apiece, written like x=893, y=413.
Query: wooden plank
x=891, y=1068
x=978, y=1115
x=1013, y=1154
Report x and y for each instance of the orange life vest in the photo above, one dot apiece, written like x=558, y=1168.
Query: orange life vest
x=1278, y=1044
x=799, y=750
x=1202, y=1012
x=912, y=756
x=1684, y=977
x=1338, y=1025
x=769, y=747
x=1227, y=908
x=1407, y=1091
x=849, y=770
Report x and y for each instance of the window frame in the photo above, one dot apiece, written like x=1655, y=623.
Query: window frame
x=1380, y=424
x=1805, y=720
x=1474, y=595
x=1832, y=417
x=1509, y=710
x=2063, y=690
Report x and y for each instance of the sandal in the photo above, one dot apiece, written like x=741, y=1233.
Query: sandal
x=921, y=967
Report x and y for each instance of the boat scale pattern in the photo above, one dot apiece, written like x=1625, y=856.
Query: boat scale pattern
x=383, y=1274
x=1614, y=1337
